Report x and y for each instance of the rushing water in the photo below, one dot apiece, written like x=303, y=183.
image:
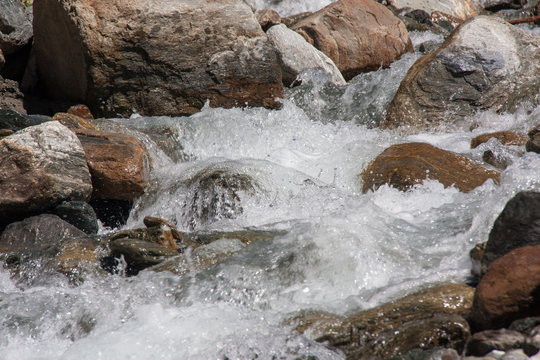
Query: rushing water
x=341, y=251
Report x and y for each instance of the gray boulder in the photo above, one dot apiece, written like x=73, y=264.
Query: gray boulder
x=461, y=9
x=41, y=166
x=486, y=64
x=15, y=27
x=154, y=57
x=296, y=55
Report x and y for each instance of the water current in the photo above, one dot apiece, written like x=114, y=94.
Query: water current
x=341, y=251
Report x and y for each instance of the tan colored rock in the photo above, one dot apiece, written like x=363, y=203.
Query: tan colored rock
x=118, y=163
x=358, y=35
x=423, y=320
x=73, y=122
x=154, y=57
x=486, y=64
x=405, y=165
x=41, y=166
x=461, y=9
x=509, y=289
x=504, y=137
x=267, y=18
x=81, y=111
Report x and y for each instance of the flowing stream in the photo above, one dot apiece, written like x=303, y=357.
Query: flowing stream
x=340, y=251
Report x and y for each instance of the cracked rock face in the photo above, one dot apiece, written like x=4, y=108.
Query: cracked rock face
x=154, y=57
x=486, y=64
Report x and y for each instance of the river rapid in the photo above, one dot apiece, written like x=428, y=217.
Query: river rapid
x=341, y=251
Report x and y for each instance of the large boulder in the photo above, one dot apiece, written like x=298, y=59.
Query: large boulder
x=296, y=55
x=358, y=35
x=41, y=166
x=461, y=9
x=119, y=164
x=154, y=57
x=486, y=64
x=509, y=289
x=431, y=318
x=517, y=225
x=15, y=27
x=405, y=165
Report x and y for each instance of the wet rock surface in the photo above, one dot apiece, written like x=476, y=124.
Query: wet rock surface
x=533, y=144
x=186, y=52
x=79, y=214
x=485, y=64
x=504, y=137
x=358, y=35
x=405, y=165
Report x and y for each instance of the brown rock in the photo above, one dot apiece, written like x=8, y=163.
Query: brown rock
x=267, y=18
x=2, y=59
x=289, y=21
x=486, y=341
x=505, y=138
x=74, y=255
x=154, y=57
x=358, y=35
x=73, y=122
x=405, y=165
x=509, y=289
x=118, y=163
x=533, y=144
x=81, y=111
x=11, y=97
x=427, y=319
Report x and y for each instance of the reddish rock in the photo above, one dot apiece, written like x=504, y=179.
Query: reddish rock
x=509, y=289
x=73, y=122
x=154, y=57
x=118, y=163
x=267, y=18
x=405, y=165
x=2, y=59
x=81, y=111
x=358, y=35
x=505, y=138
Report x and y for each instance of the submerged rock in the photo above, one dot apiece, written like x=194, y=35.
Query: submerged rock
x=504, y=137
x=516, y=226
x=509, y=289
x=485, y=64
x=154, y=57
x=119, y=164
x=358, y=35
x=296, y=55
x=428, y=319
x=533, y=144
x=41, y=166
x=405, y=165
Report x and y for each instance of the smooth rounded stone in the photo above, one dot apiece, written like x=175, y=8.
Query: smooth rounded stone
x=202, y=257
x=486, y=64
x=504, y=137
x=157, y=235
x=187, y=52
x=37, y=232
x=517, y=225
x=358, y=35
x=461, y=9
x=404, y=165
x=150, y=221
x=41, y=166
x=482, y=343
x=424, y=320
x=532, y=344
x=267, y=18
x=81, y=110
x=296, y=55
x=508, y=290
x=12, y=120
x=15, y=27
x=76, y=258
x=11, y=97
x=79, y=214
x=74, y=123
x=533, y=144
x=119, y=164
x=497, y=160
x=526, y=326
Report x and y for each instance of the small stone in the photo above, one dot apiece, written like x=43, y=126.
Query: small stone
x=74, y=123
x=533, y=145
x=484, y=342
x=504, y=137
x=267, y=18
x=82, y=111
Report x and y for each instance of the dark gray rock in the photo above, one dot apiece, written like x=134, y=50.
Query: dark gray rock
x=37, y=232
x=11, y=97
x=79, y=214
x=518, y=225
x=15, y=27
x=533, y=144
x=12, y=120
x=484, y=342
